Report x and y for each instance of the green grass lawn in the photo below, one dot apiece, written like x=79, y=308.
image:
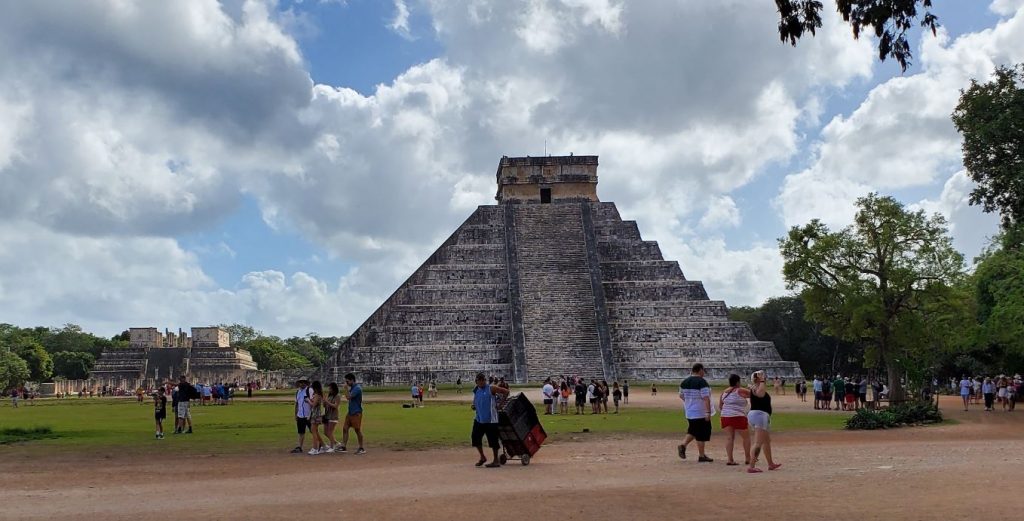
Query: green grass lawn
x=105, y=423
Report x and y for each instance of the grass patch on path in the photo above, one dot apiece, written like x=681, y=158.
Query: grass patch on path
x=244, y=426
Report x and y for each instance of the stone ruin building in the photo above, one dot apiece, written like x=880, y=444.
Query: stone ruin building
x=550, y=281
x=152, y=357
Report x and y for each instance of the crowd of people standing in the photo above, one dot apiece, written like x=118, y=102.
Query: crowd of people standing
x=1001, y=390
x=556, y=395
x=319, y=413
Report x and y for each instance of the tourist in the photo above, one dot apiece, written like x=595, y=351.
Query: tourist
x=605, y=392
x=563, y=398
x=591, y=387
x=777, y=383
x=331, y=404
x=458, y=385
x=186, y=392
x=760, y=419
x=354, y=417
x=485, y=421
x=159, y=411
x=986, y=390
x=733, y=404
x=14, y=397
x=839, y=391
x=654, y=390
x=598, y=397
x=976, y=394
x=139, y=394
x=547, y=392
x=616, y=395
x=1001, y=386
x=625, y=392
x=818, y=388
x=581, y=396
x=826, y=393
x=415, y=391
x=316, y=417
x=433, y=389
x=248, y=389
x=302, y=412
x=423, y=391
x=862, y=391
x=850, y=395
x=695, y=393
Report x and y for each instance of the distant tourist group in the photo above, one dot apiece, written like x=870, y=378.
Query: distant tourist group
x=556, y=394
x=1001, y=390
x=320, y=413
x=848, y=394
x=742, y=409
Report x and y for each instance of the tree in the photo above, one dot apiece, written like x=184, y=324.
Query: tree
x=241, y=334
x=999, y=286
x=990, y=116
x=40, y=365
x=13, y=370
x=270, y=353
x=888, y=19
x=73, y=365
x=882, y=281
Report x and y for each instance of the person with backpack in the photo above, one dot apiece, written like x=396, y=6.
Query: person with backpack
x=303, y=411
x=186, y=392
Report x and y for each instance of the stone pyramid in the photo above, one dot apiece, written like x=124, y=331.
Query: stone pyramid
x=550, y=281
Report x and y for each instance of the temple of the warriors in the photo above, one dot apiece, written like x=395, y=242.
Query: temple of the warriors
x=550, y=281
x=152, y=357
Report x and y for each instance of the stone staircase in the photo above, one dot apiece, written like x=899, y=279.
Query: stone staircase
x=558, y=310
x=449, y=320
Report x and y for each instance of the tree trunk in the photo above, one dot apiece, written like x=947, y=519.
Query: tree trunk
x=896, y=392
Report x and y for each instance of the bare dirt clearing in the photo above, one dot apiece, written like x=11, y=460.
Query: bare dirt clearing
x=918, y=473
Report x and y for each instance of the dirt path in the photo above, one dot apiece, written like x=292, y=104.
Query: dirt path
x=921, y=473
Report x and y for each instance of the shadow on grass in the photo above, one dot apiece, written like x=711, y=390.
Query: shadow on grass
x=18, y=434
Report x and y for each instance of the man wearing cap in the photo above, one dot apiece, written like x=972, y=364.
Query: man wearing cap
x=303, y=410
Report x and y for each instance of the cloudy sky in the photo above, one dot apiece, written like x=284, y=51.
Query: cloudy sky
x=286, y=164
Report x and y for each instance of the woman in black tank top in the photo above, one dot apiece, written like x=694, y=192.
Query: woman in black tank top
x=759, y=419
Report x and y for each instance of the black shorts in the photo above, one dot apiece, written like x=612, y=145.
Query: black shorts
x=302, y=424
x=699, y=428
x=158, y=416
x=581, y=400
x=547, y=401
x=484, y=429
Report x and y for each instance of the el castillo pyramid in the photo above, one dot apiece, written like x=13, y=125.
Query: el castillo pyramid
x=550, y=281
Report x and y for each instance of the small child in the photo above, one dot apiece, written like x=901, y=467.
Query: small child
x=654, y=390
x=616, y=395
x=159, y=411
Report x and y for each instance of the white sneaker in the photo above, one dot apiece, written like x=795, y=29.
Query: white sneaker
x=313, y=452
x=326, y=450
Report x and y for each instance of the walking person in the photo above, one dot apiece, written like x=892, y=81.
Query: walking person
x=302, y=412
x=159, y=411
x=316, y=416
x=696, y=396
x=760, y=419
x=733, y=404
x=186, y=392
x=1001, y=392
x=485, y=419
x=354, y=417
x=331, y=404
x=965, y=386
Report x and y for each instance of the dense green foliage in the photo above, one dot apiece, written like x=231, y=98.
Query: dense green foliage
x=273, y=353
x=907, y=413
x=888, y=20
x=782, y=320
x=73, y=365
x=886, y=282
x=13, y=370
x=39, y=346
x=990, y=116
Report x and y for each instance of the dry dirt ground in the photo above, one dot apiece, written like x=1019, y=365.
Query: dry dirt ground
x=972, y=468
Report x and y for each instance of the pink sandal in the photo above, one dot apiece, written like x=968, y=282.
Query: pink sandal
x=754, y=470
x=774, y=466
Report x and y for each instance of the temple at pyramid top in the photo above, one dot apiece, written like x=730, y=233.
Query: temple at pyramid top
x=547, y=179
x=528, y=290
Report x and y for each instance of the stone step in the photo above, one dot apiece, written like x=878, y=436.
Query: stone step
x=654, y=290
x=704, y=331
x=442, y=294
x=643, y=270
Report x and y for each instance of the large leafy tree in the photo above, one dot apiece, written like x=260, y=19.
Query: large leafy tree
x=40, y=365
x=13, y=370
x=73, y=365
x=888, y=20
x=884, y=281
x=990, y=116
x=999, y=286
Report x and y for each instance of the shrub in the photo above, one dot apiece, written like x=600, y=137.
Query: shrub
x=909, y=413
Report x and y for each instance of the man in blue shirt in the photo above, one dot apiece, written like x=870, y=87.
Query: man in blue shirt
x=354, y=418
x=485, y=421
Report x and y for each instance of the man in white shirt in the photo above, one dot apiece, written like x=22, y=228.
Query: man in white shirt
x=303, y=411
x=548, y=392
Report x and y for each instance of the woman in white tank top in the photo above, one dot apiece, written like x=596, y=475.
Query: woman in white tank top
x=733, y=404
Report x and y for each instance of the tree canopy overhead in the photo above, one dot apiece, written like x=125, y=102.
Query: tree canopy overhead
x=990, y=116
x=885, y=281
x=889, y=20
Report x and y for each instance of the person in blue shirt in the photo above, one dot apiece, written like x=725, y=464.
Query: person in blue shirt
x=485, y=421
x=354, y=418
